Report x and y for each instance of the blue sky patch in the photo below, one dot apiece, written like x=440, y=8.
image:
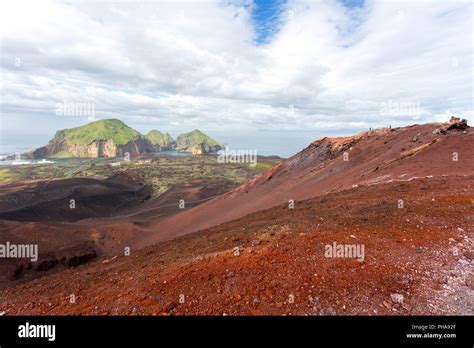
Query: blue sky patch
x=266, y=15
x=352, y=3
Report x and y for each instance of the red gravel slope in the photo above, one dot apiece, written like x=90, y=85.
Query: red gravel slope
x=422, y=252
x=375, y=157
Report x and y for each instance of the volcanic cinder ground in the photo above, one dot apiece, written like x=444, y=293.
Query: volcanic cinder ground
x=405, y=195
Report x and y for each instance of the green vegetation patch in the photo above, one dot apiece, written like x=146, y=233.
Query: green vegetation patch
x=62, y=154
x=194, y=138
x=261, y=166
x=158, y=138
x=112, y=129
x=5, y=174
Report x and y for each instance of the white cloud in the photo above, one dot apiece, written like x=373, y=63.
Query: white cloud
x=196, y=63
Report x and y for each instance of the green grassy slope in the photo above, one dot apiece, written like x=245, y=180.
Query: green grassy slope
x=194, y=138
x=112, y=129
x=158, y=138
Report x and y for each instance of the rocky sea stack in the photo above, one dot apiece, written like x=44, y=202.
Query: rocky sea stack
x=197, y=143
x=161, y=141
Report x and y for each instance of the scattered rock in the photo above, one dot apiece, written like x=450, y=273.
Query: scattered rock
x=46, y=265
x=470, y=281
x=230, y=274
x=328, y=311
x=80, y=259
x=469, y=254
x=457, y=123
x=387, y=304
x=313, y=299
x=397, y=298
x=443, y=280
x=256, y=242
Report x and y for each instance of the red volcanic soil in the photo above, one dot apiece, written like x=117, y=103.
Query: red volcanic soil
x=422, y=251
x=118, y=206
x=346, y=190
x=39, y=212
x=378, y=156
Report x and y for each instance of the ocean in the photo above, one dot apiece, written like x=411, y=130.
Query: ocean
x=267, y=143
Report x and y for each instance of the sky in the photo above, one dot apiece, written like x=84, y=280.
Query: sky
x=233, y=68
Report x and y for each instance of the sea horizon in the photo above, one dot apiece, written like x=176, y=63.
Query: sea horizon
x=266, y=143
